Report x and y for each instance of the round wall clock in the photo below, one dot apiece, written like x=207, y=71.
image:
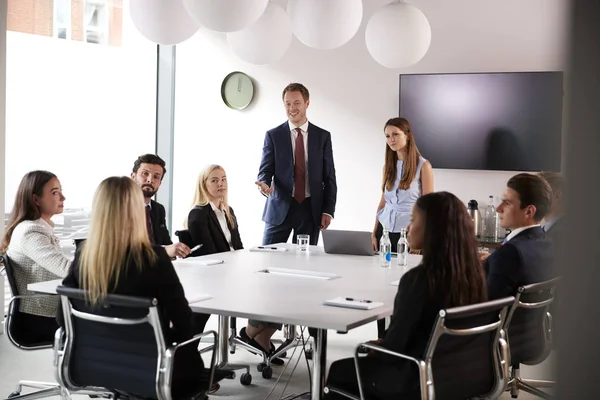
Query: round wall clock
x=237, y=90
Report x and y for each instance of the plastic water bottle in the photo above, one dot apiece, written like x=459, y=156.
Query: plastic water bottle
x=491, y=220
x=385, y=250
x=402, y=250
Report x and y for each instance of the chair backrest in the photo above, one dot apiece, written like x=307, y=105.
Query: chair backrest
x=464, y=347
x=529, y=323
x=117, y=346
x=185, y=237
x=17, y=330
x=10, y=275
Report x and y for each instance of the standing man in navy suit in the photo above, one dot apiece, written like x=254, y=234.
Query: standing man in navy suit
x=297, y=174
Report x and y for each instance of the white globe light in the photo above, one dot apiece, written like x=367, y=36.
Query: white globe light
x=398, y=35
x=164, y=22
x=325, y=24
x=225, y=15
x=265, y=41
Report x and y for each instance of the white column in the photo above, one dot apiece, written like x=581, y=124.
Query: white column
x=3, y=6
x=165, y=113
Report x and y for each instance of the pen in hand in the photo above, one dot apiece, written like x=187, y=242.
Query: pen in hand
x=193, y=249
x=362, y=301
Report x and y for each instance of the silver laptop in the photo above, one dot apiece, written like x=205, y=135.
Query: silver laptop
x=355, y=243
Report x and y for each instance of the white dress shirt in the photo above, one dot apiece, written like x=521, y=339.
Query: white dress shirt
x=294, y=135
x=517, y=231
x=222, y=217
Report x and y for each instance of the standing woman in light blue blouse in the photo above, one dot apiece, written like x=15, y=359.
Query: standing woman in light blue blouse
x=406, y=177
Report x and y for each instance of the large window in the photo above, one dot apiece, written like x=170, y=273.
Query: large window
x=78, y=109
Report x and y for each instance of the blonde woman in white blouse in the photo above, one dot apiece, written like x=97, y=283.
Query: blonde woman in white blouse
x=34, y=250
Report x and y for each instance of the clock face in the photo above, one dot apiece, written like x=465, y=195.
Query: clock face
x=237, y=90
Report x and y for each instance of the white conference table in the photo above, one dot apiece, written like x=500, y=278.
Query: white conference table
x=238, y=289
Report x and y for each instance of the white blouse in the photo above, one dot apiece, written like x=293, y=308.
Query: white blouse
x=222, y=217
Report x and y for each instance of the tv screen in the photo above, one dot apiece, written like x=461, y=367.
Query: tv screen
x=492, y=121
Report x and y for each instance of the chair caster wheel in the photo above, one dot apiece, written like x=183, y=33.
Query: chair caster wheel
x=260, y=367
x=13, y=394
x=309, y=354
x=267, y=372
x=246, y=379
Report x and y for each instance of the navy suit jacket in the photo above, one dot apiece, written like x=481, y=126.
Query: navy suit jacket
x=527, y=258
x=278, y=160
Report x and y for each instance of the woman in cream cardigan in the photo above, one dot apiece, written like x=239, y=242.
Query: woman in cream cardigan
x=35, y=252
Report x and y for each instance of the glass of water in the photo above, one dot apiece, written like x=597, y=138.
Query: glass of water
x=303, y=241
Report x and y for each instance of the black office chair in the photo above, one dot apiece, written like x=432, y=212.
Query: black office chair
x=17, y=336
x=466, y=356
x=185, y=237
x=119, y=347
x=529, y=334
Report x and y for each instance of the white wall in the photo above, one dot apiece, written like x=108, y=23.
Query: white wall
x=82, y=111
x=351, y=96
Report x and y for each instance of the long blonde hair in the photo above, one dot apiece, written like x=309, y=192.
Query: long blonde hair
x=117, y=235
x=411, y=163
x=201, y=197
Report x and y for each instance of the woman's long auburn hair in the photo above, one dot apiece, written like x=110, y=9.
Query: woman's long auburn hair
x=117, y=235
x=411, y=162
x=449, y=251
x=24, y=208
x=201, y=197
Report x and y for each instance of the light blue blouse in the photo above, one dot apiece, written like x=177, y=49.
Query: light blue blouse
x=395, y=215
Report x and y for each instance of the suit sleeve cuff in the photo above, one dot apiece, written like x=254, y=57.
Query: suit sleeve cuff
x=327, y=214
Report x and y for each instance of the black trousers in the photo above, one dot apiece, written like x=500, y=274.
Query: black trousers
x=299, y=219
x=394, y=237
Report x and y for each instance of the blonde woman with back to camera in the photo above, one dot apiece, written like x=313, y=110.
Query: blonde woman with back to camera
x=118, y=258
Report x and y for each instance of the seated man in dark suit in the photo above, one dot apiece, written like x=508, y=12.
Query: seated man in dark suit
x=553, y=224
x=148, y=172
x=526, y=255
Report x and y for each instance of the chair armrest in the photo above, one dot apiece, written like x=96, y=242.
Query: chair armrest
x=380, y=349
x=374, y=347
x=58, y=345
x=193, y=339
x=504, y=362
x=26, y=296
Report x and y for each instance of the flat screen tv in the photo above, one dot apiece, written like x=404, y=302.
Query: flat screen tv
x=486, y=121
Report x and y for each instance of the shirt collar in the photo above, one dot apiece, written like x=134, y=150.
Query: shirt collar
x=515, y=232
x=303, y=127
x=212, y=205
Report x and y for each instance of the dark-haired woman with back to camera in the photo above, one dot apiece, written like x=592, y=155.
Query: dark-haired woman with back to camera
x=406, y=177
x=450, y=275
